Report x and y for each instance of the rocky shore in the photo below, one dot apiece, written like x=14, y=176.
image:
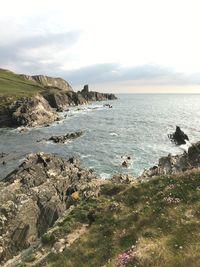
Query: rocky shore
x=37, y=194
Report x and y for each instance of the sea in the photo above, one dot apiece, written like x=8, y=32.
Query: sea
x=137, y=126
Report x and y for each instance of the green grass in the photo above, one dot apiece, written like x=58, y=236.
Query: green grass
x=164, y=233
x=13, y=86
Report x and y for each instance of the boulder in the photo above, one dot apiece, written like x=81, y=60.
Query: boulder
x=178, y=137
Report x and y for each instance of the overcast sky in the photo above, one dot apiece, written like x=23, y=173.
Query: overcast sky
x=113, y=45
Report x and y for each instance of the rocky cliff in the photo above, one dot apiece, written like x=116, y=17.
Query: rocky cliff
x=28, y=100
x=28, y=111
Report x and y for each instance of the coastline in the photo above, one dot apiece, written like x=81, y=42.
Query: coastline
x=67, y=185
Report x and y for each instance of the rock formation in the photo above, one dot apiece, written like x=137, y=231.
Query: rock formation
x=32, y=111
x=175, y=164
x=178, y=137
x=95, y=96
x=34, y=196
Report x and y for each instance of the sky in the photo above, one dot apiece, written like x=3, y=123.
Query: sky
x=120, y=46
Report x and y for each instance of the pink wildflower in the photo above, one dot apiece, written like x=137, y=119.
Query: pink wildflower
x=172, y=200
x=125, y=257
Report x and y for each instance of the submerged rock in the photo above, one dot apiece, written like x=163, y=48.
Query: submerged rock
x=178, y=137
x=65, y=138
x=34, y=196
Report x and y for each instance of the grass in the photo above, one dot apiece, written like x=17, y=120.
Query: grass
x=13, y=86
x=158, y=222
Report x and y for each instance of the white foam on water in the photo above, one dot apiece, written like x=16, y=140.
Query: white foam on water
x=186, y=146
x=113, y=134
x=105, y=175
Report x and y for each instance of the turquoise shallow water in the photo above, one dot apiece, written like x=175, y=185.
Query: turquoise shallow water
x=137, y=126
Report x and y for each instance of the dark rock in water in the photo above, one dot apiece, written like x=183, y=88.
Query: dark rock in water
x=60, y=109
x=178, y=137
x=125, y=163
x=35, y=195
x=107, y=105
x=65, y=138
x=2, y=155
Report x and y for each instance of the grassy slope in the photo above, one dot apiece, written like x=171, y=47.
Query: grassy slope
x=157, y=232
x=13, y=86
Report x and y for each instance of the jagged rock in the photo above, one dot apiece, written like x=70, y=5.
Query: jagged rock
x=95, y=96
x=178, y=137
x=32, y=111
x=175, y=164
x=65, y=138
x=34, y=196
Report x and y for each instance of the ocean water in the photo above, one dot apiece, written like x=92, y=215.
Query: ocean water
x=136, y=126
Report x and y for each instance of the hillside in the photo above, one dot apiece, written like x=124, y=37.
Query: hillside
x=13, y=86
x=143, y=224
x=155, y=223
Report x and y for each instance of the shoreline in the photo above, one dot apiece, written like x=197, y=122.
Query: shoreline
x=40, y=173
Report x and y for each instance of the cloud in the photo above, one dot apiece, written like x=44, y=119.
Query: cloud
x=141, y=75
x=40, y=52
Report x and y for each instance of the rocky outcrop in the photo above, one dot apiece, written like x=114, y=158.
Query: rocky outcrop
x=58, y=99
x=64, y=138
x=175, y=164
x=31, y=111
x=178, y=137
x=34, y=196
x=95, y=96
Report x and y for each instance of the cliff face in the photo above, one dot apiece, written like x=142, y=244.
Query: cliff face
x=50, y=82
x=28, y=111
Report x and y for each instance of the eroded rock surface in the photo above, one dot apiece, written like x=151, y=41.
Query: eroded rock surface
x=29, y=111
x=175, y=164
x=34, y=196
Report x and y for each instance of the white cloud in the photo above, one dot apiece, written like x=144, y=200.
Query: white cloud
x=35, y=35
